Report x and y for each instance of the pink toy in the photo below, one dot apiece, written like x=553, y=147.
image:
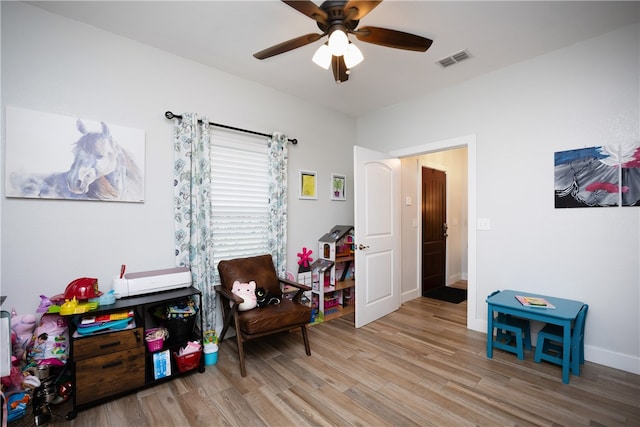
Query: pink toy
x=246, y=291
x=13, y=381
x=45, y=303
x=49, y=345
x=305, y=260
x=23, y=327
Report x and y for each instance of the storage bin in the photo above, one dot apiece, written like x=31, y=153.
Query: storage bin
x=179, y=318
x=154, y=344
x=187, y=362
x=181, y=329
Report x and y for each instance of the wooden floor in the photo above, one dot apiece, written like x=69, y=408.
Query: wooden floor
x=418, y=366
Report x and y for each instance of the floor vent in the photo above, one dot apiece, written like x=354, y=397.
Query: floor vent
x=454, y=59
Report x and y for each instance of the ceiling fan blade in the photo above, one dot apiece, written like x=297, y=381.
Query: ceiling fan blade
x=393, y=38
x=310, y=9
x=339, y=69
x=287, y=46
x=355, y=10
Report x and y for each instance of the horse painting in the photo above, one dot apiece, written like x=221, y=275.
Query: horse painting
x=101, y=170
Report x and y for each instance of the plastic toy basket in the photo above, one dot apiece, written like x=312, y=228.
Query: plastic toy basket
x=154, y=344
x=187, y=362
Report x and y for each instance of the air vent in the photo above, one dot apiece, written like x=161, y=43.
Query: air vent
x=454, y=59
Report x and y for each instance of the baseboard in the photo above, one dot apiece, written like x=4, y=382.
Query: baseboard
x=454, y=278
x=408, y=296
x=604, y=357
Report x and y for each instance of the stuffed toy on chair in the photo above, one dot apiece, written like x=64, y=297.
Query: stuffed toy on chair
x=246, y=291
x=265, y=297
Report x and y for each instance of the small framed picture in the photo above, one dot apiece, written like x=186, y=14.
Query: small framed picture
x=308, y=185
x=338, y=187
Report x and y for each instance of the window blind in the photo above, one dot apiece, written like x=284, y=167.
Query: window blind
x=239, y=195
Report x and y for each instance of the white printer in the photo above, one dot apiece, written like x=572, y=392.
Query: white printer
x=147, y=282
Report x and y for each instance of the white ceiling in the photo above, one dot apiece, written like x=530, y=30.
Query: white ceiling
x=225, y=34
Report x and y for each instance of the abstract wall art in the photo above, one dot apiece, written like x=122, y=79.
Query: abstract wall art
x=603, y=176
x=51, y=156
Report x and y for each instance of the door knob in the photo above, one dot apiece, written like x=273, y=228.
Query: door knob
x=361, y=246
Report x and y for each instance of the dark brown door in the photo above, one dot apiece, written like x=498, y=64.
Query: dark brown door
x=434, y=229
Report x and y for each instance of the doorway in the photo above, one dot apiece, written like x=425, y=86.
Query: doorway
x=434, y=228
x=444, y=216
x=461, y=249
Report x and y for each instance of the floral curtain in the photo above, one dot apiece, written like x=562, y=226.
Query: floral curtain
x=278, y=157
x=192, y=208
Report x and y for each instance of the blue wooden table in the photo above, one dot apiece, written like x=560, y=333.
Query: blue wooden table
x=563, y=314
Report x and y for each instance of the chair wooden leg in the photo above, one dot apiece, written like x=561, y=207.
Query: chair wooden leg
x=305, y=338
x=240, y=342
x=225, y=328
x=243, y=371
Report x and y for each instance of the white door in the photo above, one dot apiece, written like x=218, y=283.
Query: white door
x=377, y=234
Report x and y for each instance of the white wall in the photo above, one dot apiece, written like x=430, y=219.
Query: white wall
x=410, y=229
x=581, y=96
x=56, y=65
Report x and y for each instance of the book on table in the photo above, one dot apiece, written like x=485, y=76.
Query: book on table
x=534, y=302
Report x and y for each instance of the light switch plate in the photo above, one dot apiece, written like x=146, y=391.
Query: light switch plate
x=484, y=224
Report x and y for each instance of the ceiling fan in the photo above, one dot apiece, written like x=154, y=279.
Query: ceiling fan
x=337, y=19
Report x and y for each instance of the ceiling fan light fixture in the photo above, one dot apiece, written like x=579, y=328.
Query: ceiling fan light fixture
x=353, y=56
x=337, y=19
x=338, y=42
x=322, y=57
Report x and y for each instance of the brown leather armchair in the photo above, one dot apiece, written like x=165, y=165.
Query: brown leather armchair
x=259, y=322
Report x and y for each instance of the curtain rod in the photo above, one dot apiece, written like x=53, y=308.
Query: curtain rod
x=170, y=115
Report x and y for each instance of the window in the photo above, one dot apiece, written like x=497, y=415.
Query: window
x=239, y=194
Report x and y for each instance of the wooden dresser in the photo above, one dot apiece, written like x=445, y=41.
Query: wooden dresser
x=109, y=364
